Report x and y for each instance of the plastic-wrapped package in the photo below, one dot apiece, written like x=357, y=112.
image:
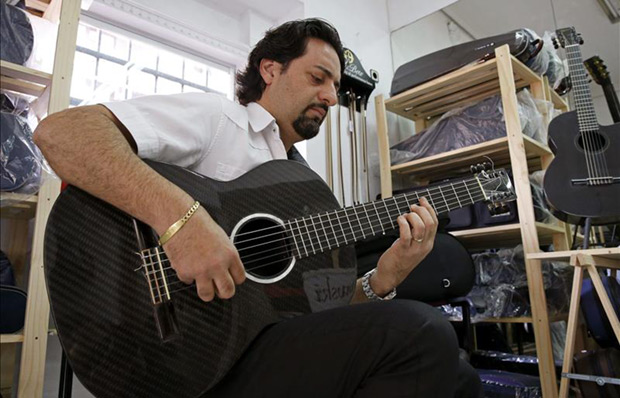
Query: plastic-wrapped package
x=555, y=69
x=43, y=51
x=541, y=209
x=466, y=126
x=540, y=62
x=17, y=35
x=501, y=288
x=21, y=162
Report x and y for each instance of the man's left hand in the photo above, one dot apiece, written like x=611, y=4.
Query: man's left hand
x=417, y=236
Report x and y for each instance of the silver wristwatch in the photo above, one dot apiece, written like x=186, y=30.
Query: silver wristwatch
x=368, y=290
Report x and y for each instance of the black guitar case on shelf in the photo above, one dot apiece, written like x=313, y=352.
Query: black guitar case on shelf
x=594, y=314
x=446, y=273
x=420, y=70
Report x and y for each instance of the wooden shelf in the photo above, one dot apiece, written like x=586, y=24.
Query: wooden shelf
x=463, y=86
x=523, y=319
x=12, y=338
x=503, y=235
x=448, y=164
x=23, y=80
x=15, y=205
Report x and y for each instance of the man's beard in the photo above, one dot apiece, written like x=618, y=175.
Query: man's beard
x=308, y=127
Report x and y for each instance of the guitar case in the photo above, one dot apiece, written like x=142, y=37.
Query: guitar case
x=594, y=314
x=500, y=384
x=521, y=42
x=446, y=273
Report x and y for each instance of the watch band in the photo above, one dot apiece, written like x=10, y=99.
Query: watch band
x=370, y=294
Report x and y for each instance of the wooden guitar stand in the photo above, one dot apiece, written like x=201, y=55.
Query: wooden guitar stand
x=588, y=259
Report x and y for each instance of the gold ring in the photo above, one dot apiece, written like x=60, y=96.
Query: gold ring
x=419, y=240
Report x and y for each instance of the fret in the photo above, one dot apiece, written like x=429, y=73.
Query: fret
x=344, y=235
x=309, y=235
x=388, y=214
x=349, y=222
x=332, y=227
x=408, y=204
x=329, y=246
x=317, y=234
x=456, y=195
x=378, y=217
x=359, y=222
x=294, y=239
x=397, y=206
x=429, y=197
x=444, y=199
x=301, y=236
x=469, y=193
x=368, y=217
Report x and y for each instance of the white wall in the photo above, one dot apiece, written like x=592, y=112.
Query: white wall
x=424, y=36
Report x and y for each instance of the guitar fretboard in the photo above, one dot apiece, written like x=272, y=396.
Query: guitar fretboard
x=326, y=231
x=581, y=90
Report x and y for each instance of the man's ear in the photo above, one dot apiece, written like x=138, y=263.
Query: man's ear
x=269, y=69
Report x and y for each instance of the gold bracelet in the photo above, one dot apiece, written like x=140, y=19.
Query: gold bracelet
x=174, y=228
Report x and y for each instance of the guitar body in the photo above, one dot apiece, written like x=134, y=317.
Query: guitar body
x=101, y=304
x=573, y=203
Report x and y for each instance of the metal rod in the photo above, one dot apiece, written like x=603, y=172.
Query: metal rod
x=366, y=197
x=329, y=161
x=340, y=172
x=352, y=131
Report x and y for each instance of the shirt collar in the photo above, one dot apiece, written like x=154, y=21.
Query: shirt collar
x=258, y=117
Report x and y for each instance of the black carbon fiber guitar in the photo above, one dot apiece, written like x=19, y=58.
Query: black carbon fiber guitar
x=583, y=181
x=130, y=328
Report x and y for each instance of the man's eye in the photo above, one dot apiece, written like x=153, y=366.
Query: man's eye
x=316, y=79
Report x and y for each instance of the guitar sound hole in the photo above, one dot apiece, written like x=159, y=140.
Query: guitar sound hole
x=592, y=142
x=264, y=248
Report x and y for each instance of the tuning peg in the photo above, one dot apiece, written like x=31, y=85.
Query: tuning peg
x=580, y=40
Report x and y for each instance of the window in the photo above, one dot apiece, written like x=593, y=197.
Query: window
x=110, y=66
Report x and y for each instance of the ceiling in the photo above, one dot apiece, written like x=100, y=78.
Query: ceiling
x=483, y=18
x=271, y=9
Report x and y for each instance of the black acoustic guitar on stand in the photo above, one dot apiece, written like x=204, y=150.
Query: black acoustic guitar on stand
x=583, y=180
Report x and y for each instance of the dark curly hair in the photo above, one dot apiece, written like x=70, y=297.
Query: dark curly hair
x=283, y=44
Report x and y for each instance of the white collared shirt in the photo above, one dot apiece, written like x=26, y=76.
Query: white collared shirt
x=203, y=132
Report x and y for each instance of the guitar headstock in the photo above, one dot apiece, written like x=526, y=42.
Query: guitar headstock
x=597, y=69
x=497, y=189
x=568, y=37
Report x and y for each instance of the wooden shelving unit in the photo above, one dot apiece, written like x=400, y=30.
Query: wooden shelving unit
x=503, y=75
x=52, y=92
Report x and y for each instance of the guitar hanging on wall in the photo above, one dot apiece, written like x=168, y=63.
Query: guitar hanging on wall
x=583, y=180
x=130, y=328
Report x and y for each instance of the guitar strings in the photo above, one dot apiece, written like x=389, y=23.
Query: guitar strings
x=166, y=260
x=336, y=212
x=288, y=249
x=582, y=123
x=363, y=225
x=293, y=235
x=587, y=122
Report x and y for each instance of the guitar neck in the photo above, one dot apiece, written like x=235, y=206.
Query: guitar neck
x=326, y=231
x=581, y=89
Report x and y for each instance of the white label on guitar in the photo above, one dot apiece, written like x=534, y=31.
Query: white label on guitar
x=329, y=288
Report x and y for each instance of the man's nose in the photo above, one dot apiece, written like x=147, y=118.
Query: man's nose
x=329, y=95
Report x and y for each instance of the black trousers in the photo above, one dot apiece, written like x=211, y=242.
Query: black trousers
x=399, y=348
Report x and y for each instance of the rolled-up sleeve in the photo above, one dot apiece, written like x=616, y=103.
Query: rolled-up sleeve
x=176, y=129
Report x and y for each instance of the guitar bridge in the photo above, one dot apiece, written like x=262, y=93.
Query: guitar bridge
x=156, y=277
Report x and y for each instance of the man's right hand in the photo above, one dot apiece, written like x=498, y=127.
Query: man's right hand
x=202, y=252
